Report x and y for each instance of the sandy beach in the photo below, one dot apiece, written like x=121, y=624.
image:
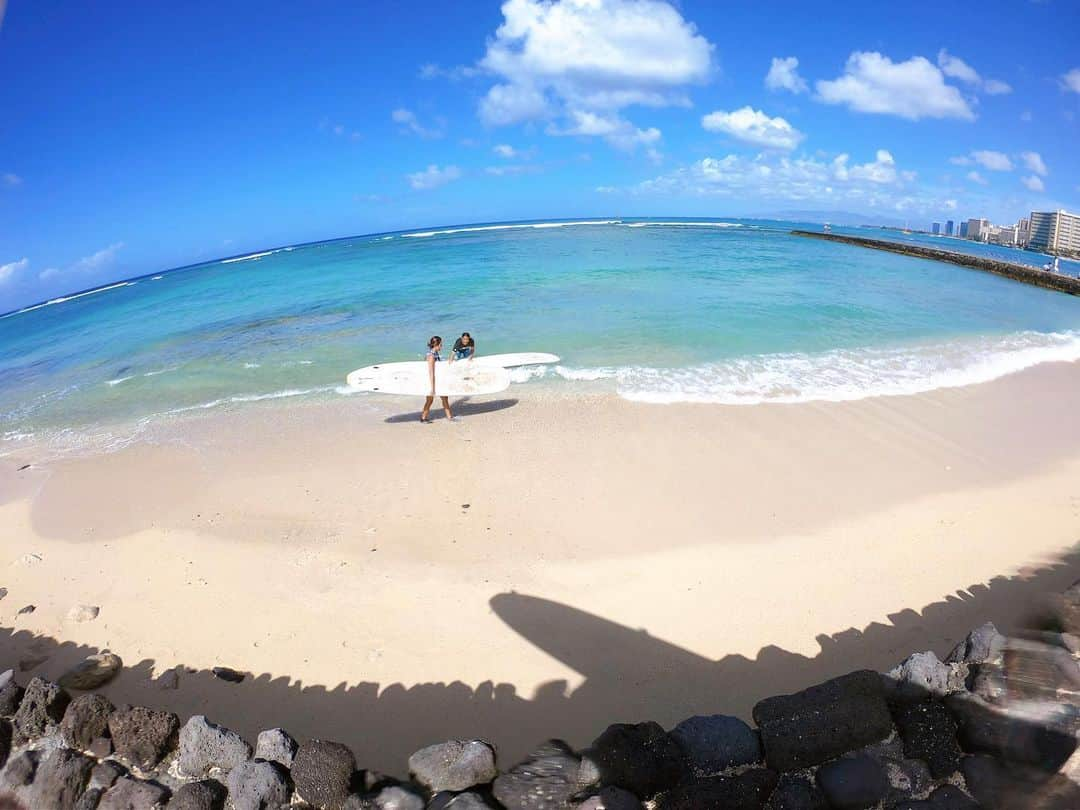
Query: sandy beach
x=544, y=566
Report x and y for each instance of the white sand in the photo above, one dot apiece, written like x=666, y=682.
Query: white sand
x=617, y=561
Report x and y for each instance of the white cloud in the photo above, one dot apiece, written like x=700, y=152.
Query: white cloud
x=914, y=89
x=994, y=161
x=1034, y=162
x=1033, y=183
x=96, y=261
x=583, y=61
x=784, y=75
x=408, y=119
x=960, y=160
x=456, y=73
x=433, y=177
x=48, y=273
x=1071, y=80
x=957, y=68
x=505, y=150
x=11, y=179
x=770, y=176
x=754, y=126
x=512, y=169
x=882, y=170
x=8, y=271
x=975, y=177
x=616, y=130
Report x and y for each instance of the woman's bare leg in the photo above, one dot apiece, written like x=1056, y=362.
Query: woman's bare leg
x=427, y=408
x=446, y=407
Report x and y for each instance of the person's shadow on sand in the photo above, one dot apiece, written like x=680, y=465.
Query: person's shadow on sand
x=629, y=676
x=461, y=407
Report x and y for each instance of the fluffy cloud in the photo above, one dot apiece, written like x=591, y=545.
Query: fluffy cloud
x=410, y=123
x=1033, y=183
x=11, y=179
x=8, y=271
x=584, y=61
x=1071, y=80
x=754, y=126
x=1034, y=162
x=96, y=261
x=877, y=183
x=957, y=68
x=975, y=177
x=994, y=161
x=505, y=150
x=914, y=89
x=433, y=177
x=784, y=75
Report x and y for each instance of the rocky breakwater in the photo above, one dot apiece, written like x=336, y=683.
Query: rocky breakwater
x=1017, y=272
x=993, y=725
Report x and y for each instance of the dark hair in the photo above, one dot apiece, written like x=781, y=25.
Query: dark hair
x=434, y=339
x=466, y=334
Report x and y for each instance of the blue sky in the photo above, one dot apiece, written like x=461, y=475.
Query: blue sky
x=138, y=136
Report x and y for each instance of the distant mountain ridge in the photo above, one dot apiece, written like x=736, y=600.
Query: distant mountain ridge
x=837, y=218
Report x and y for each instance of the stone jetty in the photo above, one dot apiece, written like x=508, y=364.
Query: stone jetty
x=1017, y=272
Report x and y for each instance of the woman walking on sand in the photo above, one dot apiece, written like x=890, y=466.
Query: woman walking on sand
x=434, y=345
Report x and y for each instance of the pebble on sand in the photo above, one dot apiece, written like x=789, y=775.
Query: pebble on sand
x=83, y=613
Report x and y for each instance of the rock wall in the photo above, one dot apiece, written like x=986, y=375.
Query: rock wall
x=994, y=725
x=1017, y=272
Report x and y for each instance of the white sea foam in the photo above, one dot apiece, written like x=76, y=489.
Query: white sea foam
x=423, y=234
x=683, y=224
x=157, y=278
x=65, y=298
x=247, y=258
x=838, y=375
x=160, y=371
x=251, y=365
x=119, y=380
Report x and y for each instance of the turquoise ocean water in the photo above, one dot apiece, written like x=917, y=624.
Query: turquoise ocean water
x=720, y=311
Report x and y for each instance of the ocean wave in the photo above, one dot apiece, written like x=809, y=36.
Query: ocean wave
x=683, y=224
x=245, y=398
x=248, y=257
x=251, y=365
x=839, y=375
x=425, y=234
x=63, y=299
x=119, y=380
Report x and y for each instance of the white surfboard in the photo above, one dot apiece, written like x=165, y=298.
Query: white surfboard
x=411, y=378
x=515, y=359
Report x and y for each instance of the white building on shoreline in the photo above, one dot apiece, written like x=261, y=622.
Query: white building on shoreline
x=1055, y=232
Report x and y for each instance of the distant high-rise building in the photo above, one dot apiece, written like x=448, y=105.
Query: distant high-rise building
x=963, y=230
x=935, y=228
x=1023, y=229
x=948, y=227
x=1056, y=232
x=978, y=230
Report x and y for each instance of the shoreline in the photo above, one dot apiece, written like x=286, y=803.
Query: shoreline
x=327, y=549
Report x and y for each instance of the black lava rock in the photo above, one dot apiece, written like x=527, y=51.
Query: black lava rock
x=611, y=798
x=86, y=719
x=946, y=797
x=10, y=694
x=986, y=729
x=61, y=779
x=322, y=773
x=929, y=733
x=749, y=790
x=716, y=742
x=226, y=674
x=105, y=774
x=130, y=794
x=455, y=765
x=796, y=793
x=853, y=783
x=640, y=758
x=5, y=742
x=824, y=721
x=256, y=785
x=20, y=771
x=42, y=706
x=545, y=780
x=205, y=795
x=143, y=736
